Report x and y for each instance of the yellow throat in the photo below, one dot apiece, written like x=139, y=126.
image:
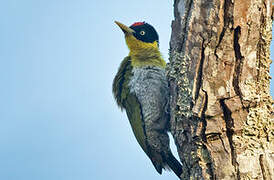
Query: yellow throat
x=143, y=53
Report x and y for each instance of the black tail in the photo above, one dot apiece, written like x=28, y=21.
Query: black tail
x=174, y=165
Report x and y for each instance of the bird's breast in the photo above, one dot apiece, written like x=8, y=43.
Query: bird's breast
x=147, y=77
x=150, y=86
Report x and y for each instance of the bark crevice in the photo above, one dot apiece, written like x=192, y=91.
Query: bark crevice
x=262, y=166
x=229, y=122
x=238, y=61
x=225, y=20
x=199, y=74
x=203, y=118
x=187, y=15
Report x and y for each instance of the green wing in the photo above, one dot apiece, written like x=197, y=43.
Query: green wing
x=129, y=101
x=121, y=80
x=134, y=114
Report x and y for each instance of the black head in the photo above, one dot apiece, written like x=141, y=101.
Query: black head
x=145, y=32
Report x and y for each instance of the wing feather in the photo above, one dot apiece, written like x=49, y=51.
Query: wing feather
x=129, y=102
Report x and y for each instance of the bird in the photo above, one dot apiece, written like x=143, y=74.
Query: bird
x=140, y=87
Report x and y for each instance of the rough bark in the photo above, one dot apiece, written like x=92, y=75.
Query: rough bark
x=221, y=108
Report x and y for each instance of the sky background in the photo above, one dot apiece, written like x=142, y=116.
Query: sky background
x=58, y=118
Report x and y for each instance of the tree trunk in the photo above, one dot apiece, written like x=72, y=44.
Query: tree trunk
x=221, y=108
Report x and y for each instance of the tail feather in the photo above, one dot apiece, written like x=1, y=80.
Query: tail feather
x=158, y=167
x=167, y=162
x=174, y=165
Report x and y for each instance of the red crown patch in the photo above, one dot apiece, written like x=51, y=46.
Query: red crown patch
x=138, y=24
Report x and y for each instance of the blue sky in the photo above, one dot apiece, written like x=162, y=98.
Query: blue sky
x=58, y=117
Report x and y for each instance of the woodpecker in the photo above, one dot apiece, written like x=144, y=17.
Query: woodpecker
x=141, y=88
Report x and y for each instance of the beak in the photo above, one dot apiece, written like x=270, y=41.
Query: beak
x=125, y=29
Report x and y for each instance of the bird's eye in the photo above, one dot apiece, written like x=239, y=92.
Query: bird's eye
x=142, y=33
